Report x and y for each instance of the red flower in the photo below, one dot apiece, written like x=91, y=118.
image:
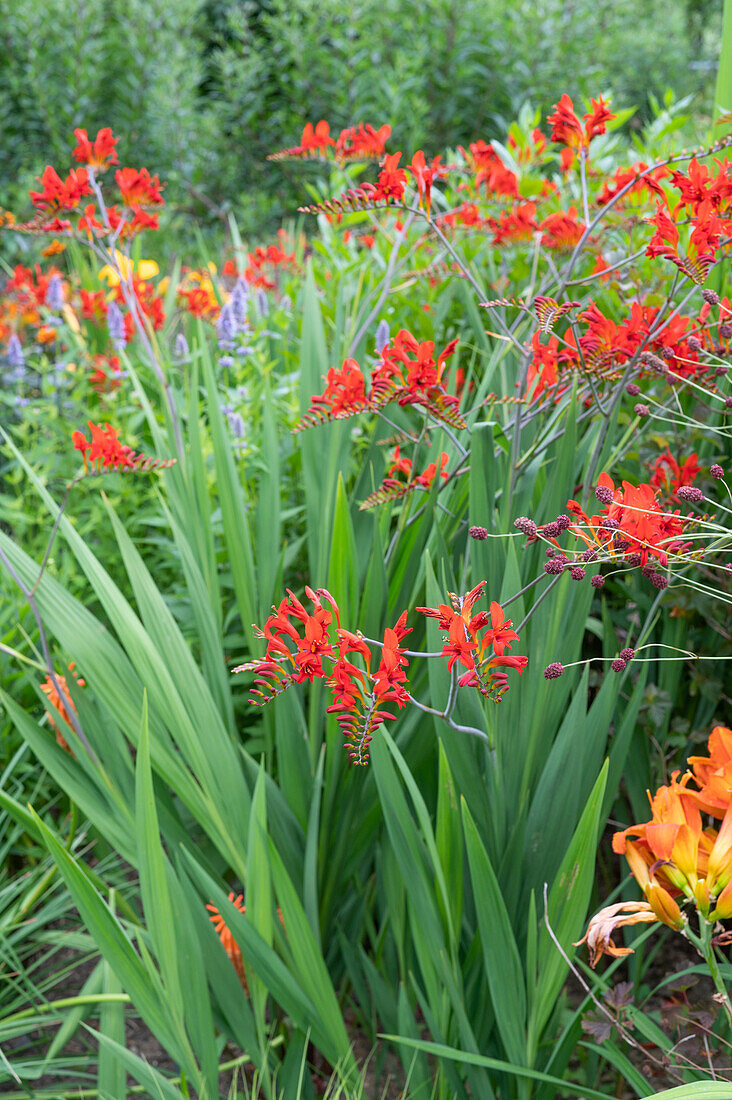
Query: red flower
x=567, y=128
x=669, y=475
x=362, y=142
x=316, y=139
x=103, y=377
x=93, y=305
x=345, y=391
x=518, y=224
x=105, y=450
x=561, y=229
x=424, y=176
x=58, y=194
x=392, y=180
x=463, y=644
x=138, y=187
x=101, y=154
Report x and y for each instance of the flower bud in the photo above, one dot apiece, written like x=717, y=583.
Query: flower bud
x=553, y=671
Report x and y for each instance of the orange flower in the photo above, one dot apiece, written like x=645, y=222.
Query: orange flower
x=63, y=703
x=713, y=773
x=229, y=944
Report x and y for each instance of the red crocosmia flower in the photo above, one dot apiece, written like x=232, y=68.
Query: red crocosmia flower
x=670, y=476
x=101, y=153
x=103, y=377
x=543, y=374
x=93, y=306
x=317, y=138
x=500, y=633
x=625, y=176
x=310, y=645
x=700, y=185
x=58, y=194
x=392, y=179
x=138, y=188
x=561, y=229
x=426, y=478
x=424, y=175
x=362, y=142
x=300, y=647
x=89, y=223
x=518, y=224
x=646, y=530
x=490, y=171
x=345, y=391
x=400, y=464
x=462, y=643
x=704, y=239
x=567, y=128
x=105, y=450
x=390, y=676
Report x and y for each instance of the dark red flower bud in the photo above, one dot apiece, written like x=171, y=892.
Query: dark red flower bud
x=690, y=493
x=527, y=526
x=555, y=565
x=577, y=573
x=641, y=410
x=597, y=581
x=627, y=654
x=633, y=389
x=657, y=580
x=694, y=344
x=716, y=470
x=618, y=665
x=710, y=296
x=479, y=533
x=553, y=671
x=603, y=494
x=551, y=530
x=563, y=522
x=725, y=331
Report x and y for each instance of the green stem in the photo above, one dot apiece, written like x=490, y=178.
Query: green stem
x=703, y=944
x=67, y=1002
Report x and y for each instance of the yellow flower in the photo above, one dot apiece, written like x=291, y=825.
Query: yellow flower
x=124, y=269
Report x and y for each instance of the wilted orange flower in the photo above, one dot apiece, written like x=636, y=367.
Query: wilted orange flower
x=601, y=928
